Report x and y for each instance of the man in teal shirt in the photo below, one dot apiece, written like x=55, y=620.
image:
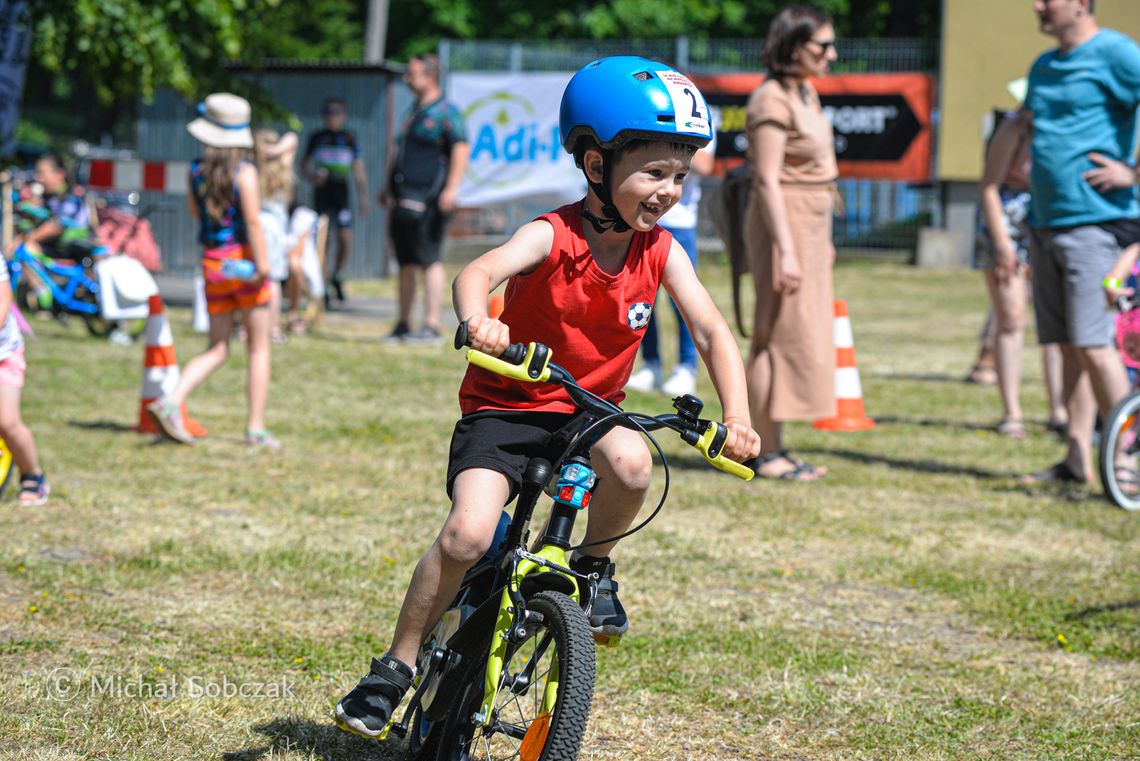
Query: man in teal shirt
x=1083, y=98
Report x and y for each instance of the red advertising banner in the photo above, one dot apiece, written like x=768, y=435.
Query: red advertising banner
x=881, y=121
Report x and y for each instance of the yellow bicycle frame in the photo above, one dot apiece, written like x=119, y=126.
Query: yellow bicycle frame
x=500, y=639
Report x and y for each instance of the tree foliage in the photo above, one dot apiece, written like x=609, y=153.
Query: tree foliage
x=417, y=25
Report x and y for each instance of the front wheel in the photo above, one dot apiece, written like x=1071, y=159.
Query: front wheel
x=1119, y=445
x=544, y=697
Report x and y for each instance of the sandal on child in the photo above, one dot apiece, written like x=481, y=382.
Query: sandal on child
x=34, y=490
x=1014, y=429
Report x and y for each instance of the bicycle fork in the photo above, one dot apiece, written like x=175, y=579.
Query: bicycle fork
x=573, y=492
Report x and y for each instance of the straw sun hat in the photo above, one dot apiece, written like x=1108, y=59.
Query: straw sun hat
x=223, y=122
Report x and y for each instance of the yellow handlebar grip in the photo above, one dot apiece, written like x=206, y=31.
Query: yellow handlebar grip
x=720, y=462
x=518, y=372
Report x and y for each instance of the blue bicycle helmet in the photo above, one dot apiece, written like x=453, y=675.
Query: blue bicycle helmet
x=622, y=98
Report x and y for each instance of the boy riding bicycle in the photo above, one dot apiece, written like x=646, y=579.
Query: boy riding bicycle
x=586, y=291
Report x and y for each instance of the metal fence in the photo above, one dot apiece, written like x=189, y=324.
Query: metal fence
x=374, y=97
x=878, y=215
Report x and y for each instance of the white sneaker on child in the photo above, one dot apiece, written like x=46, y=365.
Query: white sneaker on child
x=682, y=381
x=647, y=379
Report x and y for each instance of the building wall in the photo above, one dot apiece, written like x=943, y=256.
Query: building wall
x=986, y=44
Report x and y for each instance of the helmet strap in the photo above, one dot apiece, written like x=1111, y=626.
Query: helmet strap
x=610, y=220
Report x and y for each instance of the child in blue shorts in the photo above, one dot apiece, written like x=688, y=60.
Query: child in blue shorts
x=580, y=279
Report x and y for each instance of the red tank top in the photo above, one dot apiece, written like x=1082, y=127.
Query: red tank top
x=593, y=322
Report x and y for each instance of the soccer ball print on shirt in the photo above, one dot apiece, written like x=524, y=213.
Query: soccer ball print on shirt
x=638, y=315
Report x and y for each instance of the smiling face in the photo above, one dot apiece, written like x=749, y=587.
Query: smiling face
x=813, y=58
x=645, y=181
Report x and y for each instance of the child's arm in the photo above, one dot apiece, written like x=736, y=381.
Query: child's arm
x=5, y=295
x=1119, y=274
x=527, y=248
x=999, y=158
x=250, y=194
x=717, y=345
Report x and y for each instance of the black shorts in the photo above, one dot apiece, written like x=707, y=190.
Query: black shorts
x=331, y=199
x=505, y=441
x=419, y=243
x=1126, y=231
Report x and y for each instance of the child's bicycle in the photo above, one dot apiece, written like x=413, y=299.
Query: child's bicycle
x=509, y=670
x=1120, y=431
x=5, y=466
x=72, y=289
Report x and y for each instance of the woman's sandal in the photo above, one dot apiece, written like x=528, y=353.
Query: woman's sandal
x=982, y=375
x=1014, y=429
x=1060, y=473
x=800, y=470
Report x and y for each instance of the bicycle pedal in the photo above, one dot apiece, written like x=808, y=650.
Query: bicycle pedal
x=607, y=640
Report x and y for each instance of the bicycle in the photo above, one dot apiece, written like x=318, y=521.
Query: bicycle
x=508, y=672
x=1120, y=431
x=5, y=466
x=73, y=290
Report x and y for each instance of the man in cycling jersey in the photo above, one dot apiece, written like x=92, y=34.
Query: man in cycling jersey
x=330, y=157
x=582, y=280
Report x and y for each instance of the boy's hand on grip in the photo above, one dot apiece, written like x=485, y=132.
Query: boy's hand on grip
x=743, y=443
x=488, y=335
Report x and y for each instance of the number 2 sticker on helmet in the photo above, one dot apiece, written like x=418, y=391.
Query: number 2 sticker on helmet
x=689, y=107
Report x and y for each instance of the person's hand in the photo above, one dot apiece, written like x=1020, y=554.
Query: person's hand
x=384, y=199
x=743, y=443
x=788, y=276
x=1110, y=174
x=260, y=275
x=488, y=335
x=1114, y=289
x=447, y=200
x=1005, y=262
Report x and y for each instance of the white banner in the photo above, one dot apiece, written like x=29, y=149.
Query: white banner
x=512, y=126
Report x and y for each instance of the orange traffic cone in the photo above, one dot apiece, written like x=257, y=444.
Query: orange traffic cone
x=850, y=415
x=160, y=370
x=496, y=306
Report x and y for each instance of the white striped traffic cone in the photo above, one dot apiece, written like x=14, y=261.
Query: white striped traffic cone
x=160, y=370
x=850, y=415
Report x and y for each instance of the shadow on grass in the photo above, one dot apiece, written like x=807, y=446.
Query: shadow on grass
x=1096, y=610
x=318, y=739
x=102, y=425
x=935, y=423
x=919, y=466
x=923, y=377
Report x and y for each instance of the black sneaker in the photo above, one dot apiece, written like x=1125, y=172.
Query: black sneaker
x=366, y=710
x=338, y=286
x=399, y=334
x=607, y=617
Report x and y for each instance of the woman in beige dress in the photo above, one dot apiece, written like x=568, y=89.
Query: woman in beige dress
x=792, y=157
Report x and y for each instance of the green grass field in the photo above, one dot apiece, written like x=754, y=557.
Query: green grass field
x=916, y=604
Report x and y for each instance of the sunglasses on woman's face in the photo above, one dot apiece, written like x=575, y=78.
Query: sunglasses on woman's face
x=824, y=45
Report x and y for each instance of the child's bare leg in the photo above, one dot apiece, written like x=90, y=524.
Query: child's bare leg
x=202, y=366
x=479, y=498
x=257, y=344
x=624, y=466
x=17, y=435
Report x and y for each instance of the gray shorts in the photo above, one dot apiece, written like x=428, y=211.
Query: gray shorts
x=1069, y=265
